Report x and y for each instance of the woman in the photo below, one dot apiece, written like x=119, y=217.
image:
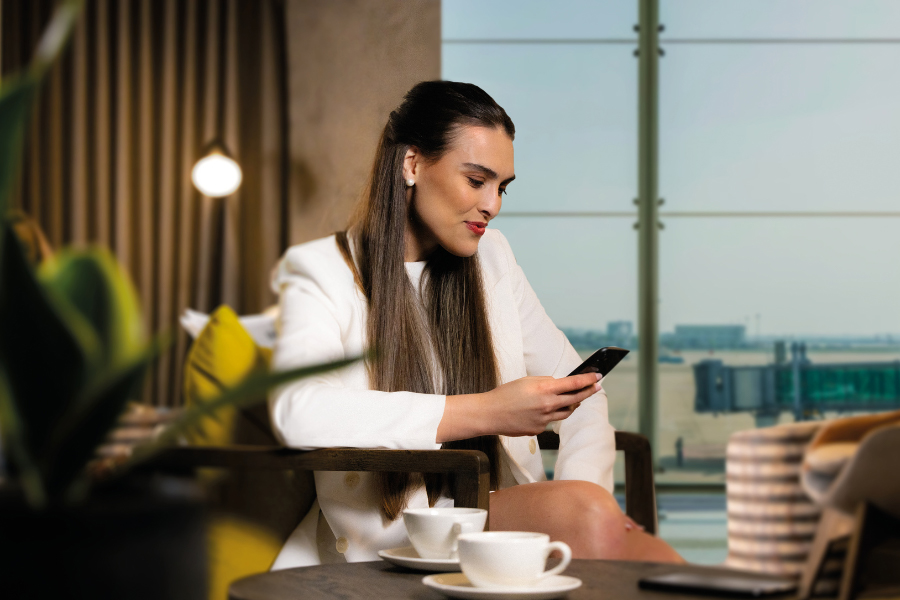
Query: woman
x=467, y=357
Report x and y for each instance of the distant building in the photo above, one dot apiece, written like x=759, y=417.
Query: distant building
x=706, y=336
x=618, y=333
x=619, y=329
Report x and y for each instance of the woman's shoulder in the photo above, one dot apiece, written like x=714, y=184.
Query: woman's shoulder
x=320, y=260
x=495, y=254
x=324, y=248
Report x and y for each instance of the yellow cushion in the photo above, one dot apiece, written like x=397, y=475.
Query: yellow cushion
x=237, y=549
x=221, y=357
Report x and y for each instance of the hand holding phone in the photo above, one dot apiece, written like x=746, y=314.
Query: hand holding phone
x=602, y=361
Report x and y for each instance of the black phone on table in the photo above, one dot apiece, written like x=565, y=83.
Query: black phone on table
x=602, y=361
x=725, y=584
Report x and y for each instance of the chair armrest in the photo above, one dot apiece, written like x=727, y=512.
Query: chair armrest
x=471, y=467
x=640, y=491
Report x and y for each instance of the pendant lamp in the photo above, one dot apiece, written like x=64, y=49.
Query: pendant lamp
x=216, y=174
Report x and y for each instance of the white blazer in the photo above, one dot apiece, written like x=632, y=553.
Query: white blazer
x=323, y=317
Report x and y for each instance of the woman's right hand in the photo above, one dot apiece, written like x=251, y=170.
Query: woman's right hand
x=526, y=405
x=520, y=407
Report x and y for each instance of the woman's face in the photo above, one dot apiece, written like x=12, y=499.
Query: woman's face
x=455, y=197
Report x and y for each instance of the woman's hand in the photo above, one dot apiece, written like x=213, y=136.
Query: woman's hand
x=520, y=407
x=525, y=406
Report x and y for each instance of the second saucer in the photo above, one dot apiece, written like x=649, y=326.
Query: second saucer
x=409, y=558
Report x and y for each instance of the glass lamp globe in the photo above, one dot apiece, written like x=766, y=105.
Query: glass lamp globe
x=216, y=175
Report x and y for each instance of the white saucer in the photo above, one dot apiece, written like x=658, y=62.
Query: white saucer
x=409, y=558
x=456, y=585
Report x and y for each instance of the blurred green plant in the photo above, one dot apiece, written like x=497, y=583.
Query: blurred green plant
x=72, y=346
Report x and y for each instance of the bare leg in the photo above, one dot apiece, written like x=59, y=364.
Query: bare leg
x=582, y=514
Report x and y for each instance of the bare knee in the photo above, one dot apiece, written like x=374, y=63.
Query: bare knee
x=603, y=533
x=582, y=514
x=599, y=525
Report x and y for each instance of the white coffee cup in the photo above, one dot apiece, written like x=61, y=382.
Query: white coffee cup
x=509, y=559
x=433, y=531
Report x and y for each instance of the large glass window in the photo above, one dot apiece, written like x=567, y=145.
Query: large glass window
x=708, y=21
x=779, y=127
x=573, y=106
x=777, y=156
x=777, y=163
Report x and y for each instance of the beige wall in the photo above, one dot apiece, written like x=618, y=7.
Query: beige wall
x=349, y=64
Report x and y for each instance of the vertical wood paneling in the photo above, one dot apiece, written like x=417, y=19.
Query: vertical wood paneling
x=10, y=57
x=78, y=144
x=188, y=195
x=250, y=204
x=14, y=39
x=33, y=188
x=146, y=173
x=165, y=239
x=270, y=170
x=55, y=163
x=230, y=265
x=123, y=162
x=102, y=163
x=122, y=121
x=208, y=225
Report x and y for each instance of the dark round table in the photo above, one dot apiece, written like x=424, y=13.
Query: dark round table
x=600, y=579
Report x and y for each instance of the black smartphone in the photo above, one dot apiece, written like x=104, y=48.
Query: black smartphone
x=726, y=584
x=602, y=361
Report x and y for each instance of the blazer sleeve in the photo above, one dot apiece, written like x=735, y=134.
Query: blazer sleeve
x=587, y=444
x=318, y=298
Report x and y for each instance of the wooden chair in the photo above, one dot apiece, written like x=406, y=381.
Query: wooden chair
x=254, y=466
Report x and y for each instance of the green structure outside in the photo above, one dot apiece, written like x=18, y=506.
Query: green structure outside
x=842, y=386
x=799, y=386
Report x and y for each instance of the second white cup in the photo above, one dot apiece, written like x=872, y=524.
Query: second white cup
x=434, y=531
x=509, y=559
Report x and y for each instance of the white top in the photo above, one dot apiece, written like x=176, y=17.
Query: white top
x=323, y=317
x=414, y=270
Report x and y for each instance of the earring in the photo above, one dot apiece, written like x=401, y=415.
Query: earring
x=410, y=182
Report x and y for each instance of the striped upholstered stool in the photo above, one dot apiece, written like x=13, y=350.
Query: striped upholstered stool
x=771, y=521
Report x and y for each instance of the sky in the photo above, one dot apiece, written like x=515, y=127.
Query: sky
x=743, y=127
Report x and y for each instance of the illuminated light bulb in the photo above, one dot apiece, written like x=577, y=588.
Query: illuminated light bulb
x=216, y=174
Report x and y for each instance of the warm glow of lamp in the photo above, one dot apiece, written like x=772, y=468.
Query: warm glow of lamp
x=217, y=174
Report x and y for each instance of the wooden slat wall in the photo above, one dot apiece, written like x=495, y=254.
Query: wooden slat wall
x=189, y=142
x=121, y=121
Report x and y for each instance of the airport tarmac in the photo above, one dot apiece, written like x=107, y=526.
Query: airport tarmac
x=691, y=498
x=704, y=435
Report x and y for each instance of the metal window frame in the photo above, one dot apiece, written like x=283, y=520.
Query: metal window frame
x=648, y=221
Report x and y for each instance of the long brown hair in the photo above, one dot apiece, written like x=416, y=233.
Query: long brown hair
x=450, y=323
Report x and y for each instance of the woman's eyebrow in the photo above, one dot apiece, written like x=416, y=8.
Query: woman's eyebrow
x=487, y=172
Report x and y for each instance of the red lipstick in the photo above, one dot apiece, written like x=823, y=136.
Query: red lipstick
x=476, y=227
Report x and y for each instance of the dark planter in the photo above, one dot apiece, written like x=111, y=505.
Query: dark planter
x=133, y=542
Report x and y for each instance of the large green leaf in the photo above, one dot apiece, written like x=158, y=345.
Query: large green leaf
x=99, y=290
x=17, y=94
x=45, y=348
x=16, y=98
x=88, y=424
x=26, y=471
x=94, y=284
